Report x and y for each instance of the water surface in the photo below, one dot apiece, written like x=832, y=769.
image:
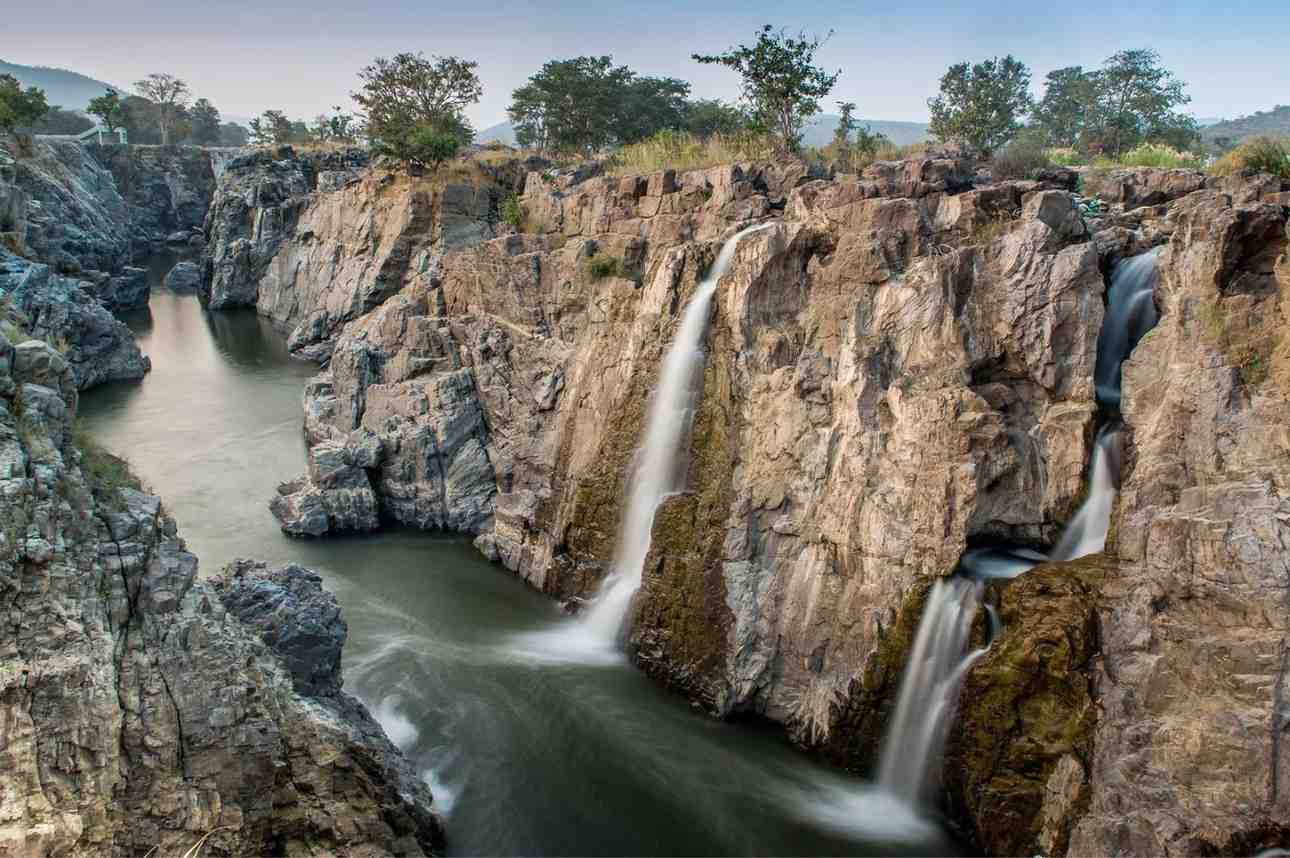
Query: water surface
x=526, y=756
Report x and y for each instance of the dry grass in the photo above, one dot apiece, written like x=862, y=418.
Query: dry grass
x=601, y=265
x=1154, y=155
x=679, y=150
x=106, y=474
x=1256, y=354
x=1264, y=154
x=987, y=232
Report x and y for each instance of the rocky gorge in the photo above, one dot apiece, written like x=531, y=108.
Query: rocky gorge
x=899, y=368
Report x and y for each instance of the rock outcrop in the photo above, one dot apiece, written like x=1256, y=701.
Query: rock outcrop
x=64, y=312
x=137, y=712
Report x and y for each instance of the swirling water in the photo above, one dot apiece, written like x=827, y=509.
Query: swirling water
x=525, y=756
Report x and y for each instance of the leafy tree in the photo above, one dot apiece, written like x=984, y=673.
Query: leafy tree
x=408, y=90
x=20, y=107
x=170, y=95
x=1069, y=96
x=587, y=103
x=846, y=124
x=982, y=104
x=782, y=86
x=707, y=116
x=426, y=144
x=205, y=121
x=109, y=109
x=232, y=134
x=339, y=126
x=59, y=121
x=272, y=127
x=1136, y=99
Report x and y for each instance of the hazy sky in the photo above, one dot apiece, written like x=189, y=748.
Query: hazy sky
x=301, y=56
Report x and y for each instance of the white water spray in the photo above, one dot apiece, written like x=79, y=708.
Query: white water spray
x=658, y=460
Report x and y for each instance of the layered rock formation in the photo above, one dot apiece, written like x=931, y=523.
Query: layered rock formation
x=137, y=712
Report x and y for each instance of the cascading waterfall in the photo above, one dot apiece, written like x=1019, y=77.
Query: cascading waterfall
x=937, y=662
x=658, y=470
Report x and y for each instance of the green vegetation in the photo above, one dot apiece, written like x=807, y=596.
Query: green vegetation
x=1264, y=154
x=109, y=109
x=600, y=266
x=1154, y=155
x=983, y=104
x=410, y=100
x=1022, y=158
x=105, y=473
x=681, y=150
x=782, y=86
x=169, y=98
x=585, y=104
x=59, y=121
x=513, y=213
x=426, y=144
x=204, y=118
x=12, y=333
x=19, y=107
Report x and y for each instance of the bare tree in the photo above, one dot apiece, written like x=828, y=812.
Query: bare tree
x=170, y=95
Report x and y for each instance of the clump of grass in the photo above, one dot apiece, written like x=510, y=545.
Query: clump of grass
x=1023, y=158
x=1067, y=156
x=1261, y=154
x=1159, y=155
x=1250, y=351
x=681, y=150
x=106, y=474
x=601, y=265
x=513, y=213
x=990, y=230
x=12, y=333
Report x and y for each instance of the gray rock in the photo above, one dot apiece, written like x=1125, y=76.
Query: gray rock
x=184, y=277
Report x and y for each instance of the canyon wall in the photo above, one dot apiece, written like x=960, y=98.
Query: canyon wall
x=140, y=708
x=899, y=369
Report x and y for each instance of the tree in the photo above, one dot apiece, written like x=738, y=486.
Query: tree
x=272, y=127
x=846, y=124
x=338, y=127
x=707, y=116
x=109, y=109
x=170, y=95
x=1069, y=97
x=982, y=104
x=232, y=134
x=782, y=86
x=424, y=144
x=408, y=90
x=205, y=121
x=59, y=121
x=20, y=107
x=1136, y=99
x=585, y=104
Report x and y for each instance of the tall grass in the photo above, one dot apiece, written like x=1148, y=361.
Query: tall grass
x=681, y=150
x=1154, y=155
x=1023, y=158
x=1264, y=154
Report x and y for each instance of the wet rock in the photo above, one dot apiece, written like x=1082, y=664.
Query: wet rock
x=184, y=277
x=128, y=290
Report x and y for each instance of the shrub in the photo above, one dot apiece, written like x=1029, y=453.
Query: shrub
x=1067, y=157
x=105, y=473
x=602, y=265
x=680, y=150
x=1159, y=155
x=513, y=212
x=988, y=231
x=1263, y=154
x=1023, y=158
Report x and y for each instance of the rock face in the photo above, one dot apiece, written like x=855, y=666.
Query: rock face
x=64, y=312
x=335, y=495
x=139, y=713
x=184, y=277
x=166, y=189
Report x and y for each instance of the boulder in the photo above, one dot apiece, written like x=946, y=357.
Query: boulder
x=184, y=277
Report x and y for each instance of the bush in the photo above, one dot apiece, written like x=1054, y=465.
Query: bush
x=1023, y=158
x=1159, y=155
x=513, y=212
x=1067, y=157
x=602, y=265
x=680, y=150
x=105, y=473
x=1263, y=154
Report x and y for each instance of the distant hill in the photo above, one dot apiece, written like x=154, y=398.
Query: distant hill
x=819, y=131
x=1275, y=122
x=66, y=89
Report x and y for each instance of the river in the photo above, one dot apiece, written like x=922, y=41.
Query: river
x=525, y=756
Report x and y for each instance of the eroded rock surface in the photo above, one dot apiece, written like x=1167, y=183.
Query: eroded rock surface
x=137, y=712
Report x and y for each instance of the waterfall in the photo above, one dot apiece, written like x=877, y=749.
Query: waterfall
x=658, y=470
x=1130, y=313
x=929, y=688
x=937, y=663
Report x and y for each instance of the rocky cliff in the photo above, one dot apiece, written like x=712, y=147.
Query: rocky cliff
x=899, y=369
x=141, y=708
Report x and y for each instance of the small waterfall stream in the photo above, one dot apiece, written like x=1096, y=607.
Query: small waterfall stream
x=939, y=660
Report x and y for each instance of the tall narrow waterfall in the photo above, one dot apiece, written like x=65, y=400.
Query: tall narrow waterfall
x=658, y=459
x=939, y=660
x=929, y=689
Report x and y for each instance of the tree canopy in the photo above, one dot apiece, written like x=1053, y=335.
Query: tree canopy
x=20, y=107
x=982, y=104
x=169, y=96
x=782, y=86
x=205, y=121
x=584, y=104
x=407, y=91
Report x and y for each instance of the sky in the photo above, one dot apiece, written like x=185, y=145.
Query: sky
x=302, y=56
